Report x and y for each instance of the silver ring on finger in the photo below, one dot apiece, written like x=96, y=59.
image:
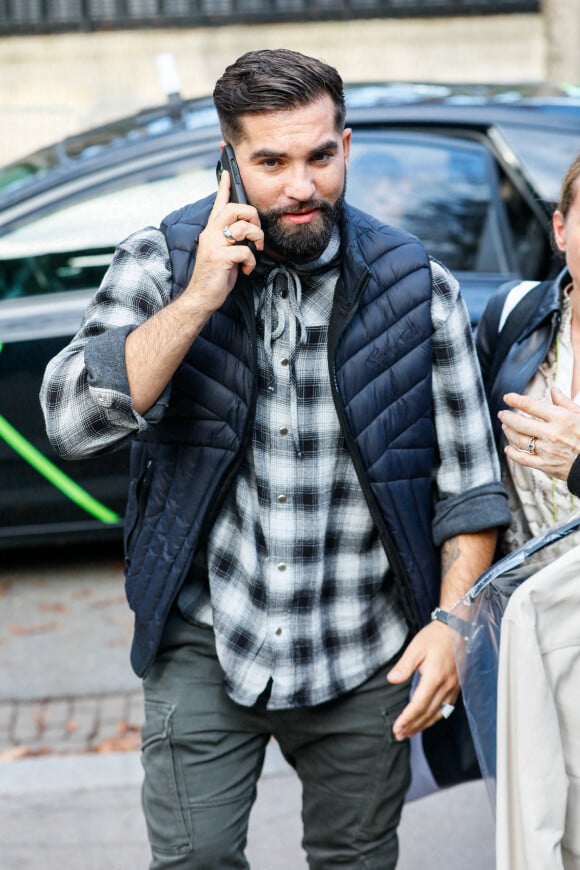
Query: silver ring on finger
x=228, y=234
x=446, y=710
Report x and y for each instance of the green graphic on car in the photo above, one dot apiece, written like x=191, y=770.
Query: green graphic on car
x=61, y=481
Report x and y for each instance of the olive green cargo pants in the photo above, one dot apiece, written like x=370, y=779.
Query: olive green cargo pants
x=203, y=755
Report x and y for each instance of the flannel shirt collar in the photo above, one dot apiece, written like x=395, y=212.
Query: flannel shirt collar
x=278, y=306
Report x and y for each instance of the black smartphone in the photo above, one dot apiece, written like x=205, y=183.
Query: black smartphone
x=228, y=161
x=237, y=193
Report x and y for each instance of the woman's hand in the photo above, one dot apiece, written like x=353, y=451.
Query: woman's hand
x=546, y=435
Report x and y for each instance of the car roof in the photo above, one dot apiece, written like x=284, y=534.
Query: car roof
x=187, y=121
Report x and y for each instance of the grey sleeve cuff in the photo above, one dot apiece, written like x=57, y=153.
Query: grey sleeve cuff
x=477, y=509
x=105, y=360
x=106, y=371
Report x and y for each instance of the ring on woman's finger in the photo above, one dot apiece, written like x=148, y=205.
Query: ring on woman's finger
x=228, y=234
x=532, y=446
x=446, y=710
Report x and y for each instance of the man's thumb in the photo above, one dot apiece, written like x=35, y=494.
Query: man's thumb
x=401, y=671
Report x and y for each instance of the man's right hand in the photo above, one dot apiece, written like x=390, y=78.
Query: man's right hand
x=157, y=347
x=219, y=258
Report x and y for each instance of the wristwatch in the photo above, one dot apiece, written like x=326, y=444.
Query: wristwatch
x=440, y=615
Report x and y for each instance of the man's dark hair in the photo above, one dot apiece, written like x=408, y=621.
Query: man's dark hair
x=272, y=81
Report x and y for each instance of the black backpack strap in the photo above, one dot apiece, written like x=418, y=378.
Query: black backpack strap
x=498, y=342
x=488, y=329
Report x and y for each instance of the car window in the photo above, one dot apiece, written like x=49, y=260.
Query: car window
x=530, y=233
x=544, y=155
x=441, y=189
x=70, y=246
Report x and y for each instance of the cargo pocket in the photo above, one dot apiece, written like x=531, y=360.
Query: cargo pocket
x=164, y=795
x=390, y=778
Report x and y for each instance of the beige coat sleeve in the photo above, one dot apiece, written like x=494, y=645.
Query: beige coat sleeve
x=538, y=736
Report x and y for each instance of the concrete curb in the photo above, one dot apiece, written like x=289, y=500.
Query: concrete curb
x=70, y=773
x=96, y=771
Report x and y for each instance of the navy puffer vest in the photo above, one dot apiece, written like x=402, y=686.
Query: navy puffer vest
x=380, y=358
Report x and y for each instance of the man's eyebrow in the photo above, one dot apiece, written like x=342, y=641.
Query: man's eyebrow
x=330, y=145
x=268, y=153
x=265, y=152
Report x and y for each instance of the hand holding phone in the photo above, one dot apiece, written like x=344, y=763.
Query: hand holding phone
x=237, y=193
x=228, y=161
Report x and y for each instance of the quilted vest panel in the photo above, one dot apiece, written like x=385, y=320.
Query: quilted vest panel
x=383, y=366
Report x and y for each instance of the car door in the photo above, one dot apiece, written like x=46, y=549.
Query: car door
x=52, y=259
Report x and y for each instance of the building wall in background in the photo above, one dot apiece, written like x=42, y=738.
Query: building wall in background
x=55, y=85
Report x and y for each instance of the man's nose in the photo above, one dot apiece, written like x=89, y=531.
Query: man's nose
x=300, y=185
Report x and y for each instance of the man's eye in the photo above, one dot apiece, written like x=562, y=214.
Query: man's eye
x=323, y=157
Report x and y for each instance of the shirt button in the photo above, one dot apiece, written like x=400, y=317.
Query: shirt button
x=284, y=362
x=278, y=632
x=283, y=430
x=281, y=566
x=282, y=499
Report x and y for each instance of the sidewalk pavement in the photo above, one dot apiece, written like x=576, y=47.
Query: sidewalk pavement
x=70, y=716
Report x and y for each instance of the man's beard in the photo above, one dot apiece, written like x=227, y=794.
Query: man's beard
x=301, y=242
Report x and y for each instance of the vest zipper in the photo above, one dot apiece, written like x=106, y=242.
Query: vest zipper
x=141, y=493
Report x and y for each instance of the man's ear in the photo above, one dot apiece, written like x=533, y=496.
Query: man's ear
x=346, y=139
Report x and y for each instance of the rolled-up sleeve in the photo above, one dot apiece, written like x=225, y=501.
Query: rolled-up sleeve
x=470, y=496
x=85, y=391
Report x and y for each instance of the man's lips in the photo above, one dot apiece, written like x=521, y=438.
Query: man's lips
x=304, y=217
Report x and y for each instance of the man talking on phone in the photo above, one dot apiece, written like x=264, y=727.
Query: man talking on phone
x=312, y=472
